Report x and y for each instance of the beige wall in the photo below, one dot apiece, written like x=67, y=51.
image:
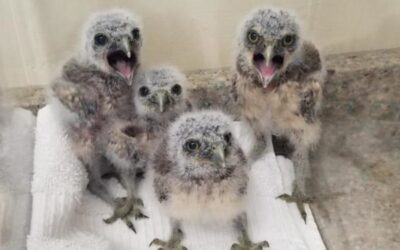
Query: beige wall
x=38, y=35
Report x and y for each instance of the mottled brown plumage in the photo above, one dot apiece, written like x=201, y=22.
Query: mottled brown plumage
x=160, y=96
x=201, y=175
x=279, y=88
x=94, y=95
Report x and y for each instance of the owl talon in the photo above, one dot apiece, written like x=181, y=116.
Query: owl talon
x=300, y=199
x=137, y=214
x=167, y=245
x=120, y=201
x=129, y=224
x=158, y=242
x=248, y=245
x=140, y=215
x=110, y=220
x=125, y=209
x=174, y=243
x=139, y=202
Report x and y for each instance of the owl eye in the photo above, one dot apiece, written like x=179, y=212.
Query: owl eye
x=253, y=36
x=228, y=138
x=288, y=40
x=144, y=91
x=176, y=89
x=136, y=33
x=192, y=145
x=100, y=39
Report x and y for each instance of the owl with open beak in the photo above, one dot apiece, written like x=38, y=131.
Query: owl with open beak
x=279, y=80
x=94, y=96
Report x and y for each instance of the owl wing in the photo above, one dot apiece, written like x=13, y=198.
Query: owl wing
x=73, y=90
x=309, y=72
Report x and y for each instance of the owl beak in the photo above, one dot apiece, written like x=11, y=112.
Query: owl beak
x=162, y=98
x=264, y=65
x=123, y=60
x=126, y=47
x=268, y=54
x=270, y=68
x=218, y=155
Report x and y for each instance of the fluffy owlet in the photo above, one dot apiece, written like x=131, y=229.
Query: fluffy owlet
x=96, y=82
x=201, y=175
x=278, y=85
x=160, y=95
x=95, y=94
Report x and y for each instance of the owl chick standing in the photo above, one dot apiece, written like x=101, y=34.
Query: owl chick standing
x=201, y=174
x=96, y=99
x=160, y=95
x=278, y=86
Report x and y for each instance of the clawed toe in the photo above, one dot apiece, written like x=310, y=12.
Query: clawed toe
x=174, y=243
x=129, y=224
x=157, y=242
x=300, y=200
x=120, y=201
x=167, y=245
x=125, y=209
x=138, y=202
x=250, y=245
x=136, y=213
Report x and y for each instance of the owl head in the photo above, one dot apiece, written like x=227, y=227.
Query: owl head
x=267, y=42
x=160, y=90
x=203, y=145
x=112, y=41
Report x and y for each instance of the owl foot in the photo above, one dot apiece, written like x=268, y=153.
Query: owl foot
x=125, y=209
x=248, y=245
x=299, y=198
x=174, y=243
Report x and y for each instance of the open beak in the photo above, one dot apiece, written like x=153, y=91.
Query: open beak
x=126, y=47
x=122, y=60
x=218, y=155
x=264, y=65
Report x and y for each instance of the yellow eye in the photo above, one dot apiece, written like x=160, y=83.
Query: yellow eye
x=253, y=36
x=288, y=40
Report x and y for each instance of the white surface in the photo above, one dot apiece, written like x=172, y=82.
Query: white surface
x=16, y=151
x=62, y=205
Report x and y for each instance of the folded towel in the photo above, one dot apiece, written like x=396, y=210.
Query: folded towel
x=65, y=213
x=75, y=241
x=16, y=157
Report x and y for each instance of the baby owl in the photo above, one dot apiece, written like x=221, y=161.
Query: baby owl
x=96, y=100
x=201, y=175
x=160, y=95
x=278, y=86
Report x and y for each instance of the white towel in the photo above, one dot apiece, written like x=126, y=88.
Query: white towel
x=16, y=157
x=65, y=212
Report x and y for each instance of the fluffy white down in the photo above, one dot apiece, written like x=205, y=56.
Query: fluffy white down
x=199, y=206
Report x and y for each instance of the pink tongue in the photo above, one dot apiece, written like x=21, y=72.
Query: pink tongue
x=266, y=71
x=124, y=68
